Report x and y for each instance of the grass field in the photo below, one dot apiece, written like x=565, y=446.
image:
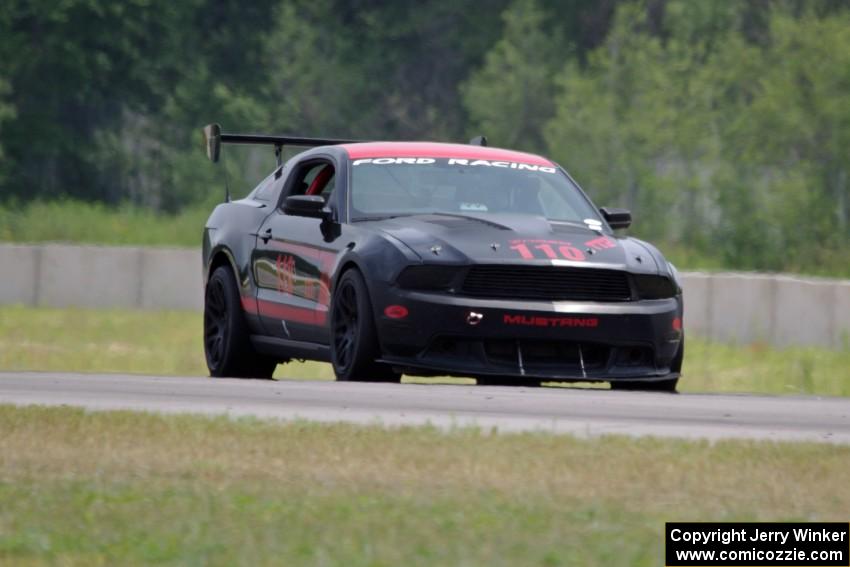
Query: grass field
x=170, y=343
x=92, y=223
x=125, y=488
x=122, y=488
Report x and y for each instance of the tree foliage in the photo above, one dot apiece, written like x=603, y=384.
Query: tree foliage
x=723, y=125
x=511, y=96
x=728, y=145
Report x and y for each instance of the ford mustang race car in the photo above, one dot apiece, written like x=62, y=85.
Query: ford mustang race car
x=391, y=258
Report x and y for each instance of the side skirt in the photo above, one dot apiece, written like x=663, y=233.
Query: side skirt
x=284, y=348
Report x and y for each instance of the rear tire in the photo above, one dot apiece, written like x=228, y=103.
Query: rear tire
x=354, y=339
x=227, y=345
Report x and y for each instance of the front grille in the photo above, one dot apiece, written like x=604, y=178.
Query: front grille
x=552, y=283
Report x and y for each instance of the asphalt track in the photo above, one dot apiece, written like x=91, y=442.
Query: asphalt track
x=582, y=412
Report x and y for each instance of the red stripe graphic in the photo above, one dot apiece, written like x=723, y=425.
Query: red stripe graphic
x=249, y=304
x=318, y=316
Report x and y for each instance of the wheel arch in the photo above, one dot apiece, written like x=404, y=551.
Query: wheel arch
x=221, y=256
x=353, y=262
x=348, y=262
x=373, y=289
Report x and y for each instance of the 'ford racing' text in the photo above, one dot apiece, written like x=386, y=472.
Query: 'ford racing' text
x=454, y=161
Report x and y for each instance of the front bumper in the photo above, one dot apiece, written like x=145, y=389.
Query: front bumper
x=587, y=341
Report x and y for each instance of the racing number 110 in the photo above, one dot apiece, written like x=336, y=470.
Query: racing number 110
x=552, y=252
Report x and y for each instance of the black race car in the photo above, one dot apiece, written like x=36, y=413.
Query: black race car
x=386, y=258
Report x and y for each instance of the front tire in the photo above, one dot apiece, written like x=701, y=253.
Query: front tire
x=354, y=339
x=227, y=345
x=668, y=385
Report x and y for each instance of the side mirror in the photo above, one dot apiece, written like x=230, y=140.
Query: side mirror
x=212, y=140
x=312, y=206
x=617, y=218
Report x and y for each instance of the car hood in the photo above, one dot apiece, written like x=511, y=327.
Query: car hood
x=520, y=239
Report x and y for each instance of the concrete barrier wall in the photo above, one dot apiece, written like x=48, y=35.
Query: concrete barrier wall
x=730, y=307
x=59, y=275
x=780, y=310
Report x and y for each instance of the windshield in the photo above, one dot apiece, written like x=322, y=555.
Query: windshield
x=407, y=186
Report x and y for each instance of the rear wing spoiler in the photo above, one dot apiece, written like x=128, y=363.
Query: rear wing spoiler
x=214, y=138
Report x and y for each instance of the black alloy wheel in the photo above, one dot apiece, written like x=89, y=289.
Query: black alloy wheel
x=227, y=344
x=345, y=325
x=354, y=340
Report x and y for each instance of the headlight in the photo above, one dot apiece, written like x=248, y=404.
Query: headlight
x=436, y=278
x=676, y=279
x=655, y=287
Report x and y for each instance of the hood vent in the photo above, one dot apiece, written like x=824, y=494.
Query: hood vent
x=449, y=220
x=569, y=229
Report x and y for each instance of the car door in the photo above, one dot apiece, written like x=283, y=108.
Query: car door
x=294, y=256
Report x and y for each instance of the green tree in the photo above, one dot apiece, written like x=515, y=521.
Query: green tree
x=510, y=97
x=788, y=137
x=7, y=111
x=723, y=132
x=110, y=95
x=616, y=125
x=375, y=69
x=74, y=67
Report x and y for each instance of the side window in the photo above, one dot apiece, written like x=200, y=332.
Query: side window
x=316, y=178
